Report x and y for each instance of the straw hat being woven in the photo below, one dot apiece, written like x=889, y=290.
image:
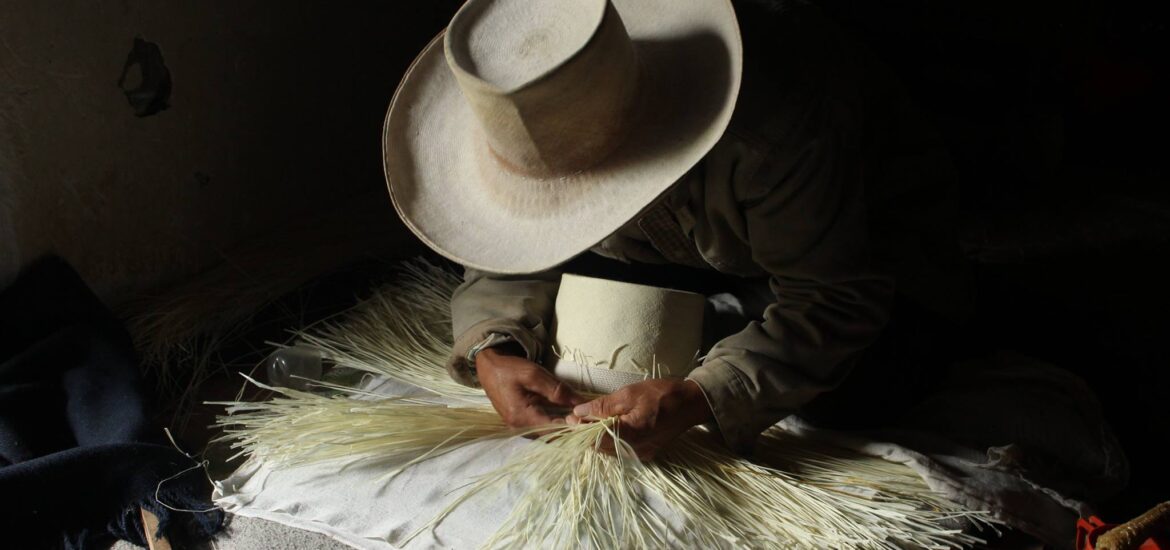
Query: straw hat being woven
x=530, y=130
x=608, y=334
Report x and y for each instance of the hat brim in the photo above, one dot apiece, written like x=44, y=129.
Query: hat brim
x=452, y=193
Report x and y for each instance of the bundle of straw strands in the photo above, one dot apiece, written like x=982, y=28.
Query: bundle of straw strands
x=795, y=493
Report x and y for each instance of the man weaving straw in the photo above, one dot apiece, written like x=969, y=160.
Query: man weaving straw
x=668, y=224
x=779, y=172
x=783, y=172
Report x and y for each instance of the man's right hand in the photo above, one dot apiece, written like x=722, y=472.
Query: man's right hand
x=522, y=391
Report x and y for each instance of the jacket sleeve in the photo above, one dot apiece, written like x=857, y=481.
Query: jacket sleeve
x=802, y=213
x=519, y=306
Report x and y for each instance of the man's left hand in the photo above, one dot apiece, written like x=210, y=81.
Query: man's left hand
x=652, y=413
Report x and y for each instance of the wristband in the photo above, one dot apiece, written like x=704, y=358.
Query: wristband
x=493, y=339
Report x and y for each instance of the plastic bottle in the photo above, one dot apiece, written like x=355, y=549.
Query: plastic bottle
x=294, y=367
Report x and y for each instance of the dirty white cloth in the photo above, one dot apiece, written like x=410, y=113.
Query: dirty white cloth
x=1008, y=434
x=356, y=505
x=353, y=506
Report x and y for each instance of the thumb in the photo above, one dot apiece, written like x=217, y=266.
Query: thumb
x=602, y=407
x=555, y=391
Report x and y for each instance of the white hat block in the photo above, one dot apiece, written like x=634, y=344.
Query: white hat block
x=608, y=334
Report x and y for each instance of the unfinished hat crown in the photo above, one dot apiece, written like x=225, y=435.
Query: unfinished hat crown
x=609, y=334
x=551, y=82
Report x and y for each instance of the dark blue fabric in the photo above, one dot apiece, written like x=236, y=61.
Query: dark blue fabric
x=78, y=456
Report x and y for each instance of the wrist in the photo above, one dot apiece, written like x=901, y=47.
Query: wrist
x=490, y=357
x=509, y=349
x=697, y=403
x=502, y=343
x=485, y=359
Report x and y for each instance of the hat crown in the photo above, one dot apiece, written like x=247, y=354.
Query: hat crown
x=551, y=82
x=611, y=333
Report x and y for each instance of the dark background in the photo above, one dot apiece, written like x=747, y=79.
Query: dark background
x=1056, y=115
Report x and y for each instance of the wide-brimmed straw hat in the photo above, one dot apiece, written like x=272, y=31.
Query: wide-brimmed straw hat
x=608, y=334
x=532, y=129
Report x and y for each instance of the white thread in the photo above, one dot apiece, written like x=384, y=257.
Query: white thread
x=202, y=464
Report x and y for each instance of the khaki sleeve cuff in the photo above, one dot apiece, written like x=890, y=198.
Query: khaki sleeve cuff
x=731, y=403
x=460, y=368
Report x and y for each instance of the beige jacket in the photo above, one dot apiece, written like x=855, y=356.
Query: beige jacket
x=826, y=184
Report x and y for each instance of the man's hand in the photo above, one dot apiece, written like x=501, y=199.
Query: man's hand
x=652, y=413
x=522, y=391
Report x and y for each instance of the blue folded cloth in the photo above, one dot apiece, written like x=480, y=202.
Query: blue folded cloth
x=78, y=455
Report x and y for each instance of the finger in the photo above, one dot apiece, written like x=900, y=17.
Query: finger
x=573, y=420
x=629, y=449
x=529, y=415
x=554, y=391
x=544, y=429
x=646, y=454
x=605, y=446
x=603, y=407
x=536, y=417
